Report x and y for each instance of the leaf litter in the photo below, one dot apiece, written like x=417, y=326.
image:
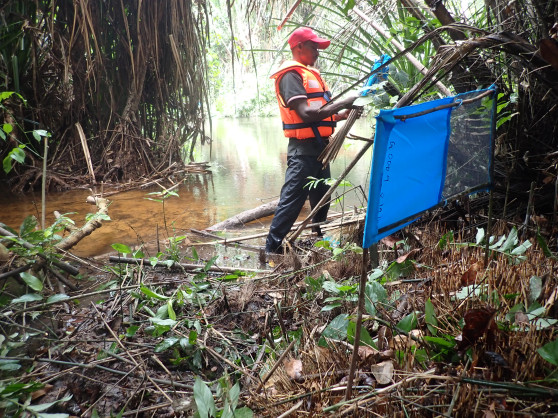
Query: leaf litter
x=447, y=336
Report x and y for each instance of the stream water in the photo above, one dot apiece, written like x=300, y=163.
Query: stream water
x=248, y=163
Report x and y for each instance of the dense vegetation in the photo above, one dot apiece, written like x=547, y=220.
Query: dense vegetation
x=122, y=90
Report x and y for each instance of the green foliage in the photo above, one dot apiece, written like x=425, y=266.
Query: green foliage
x=507, y=245
x=16, y=398
x=549, y=352
x=228, y=396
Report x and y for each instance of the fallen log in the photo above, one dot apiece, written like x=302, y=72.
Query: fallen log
x=91, y=225
x=242, y=218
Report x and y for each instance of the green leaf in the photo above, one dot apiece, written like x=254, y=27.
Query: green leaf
x=131, y=330
x=166, y=344
x=535, y=288
x=520, y=249
x=152, y=294
x=163, y=322
x=17, y=154
x=511, y=241
x=446, y=239
x=59, y=297
x=122, y=248
x=337, y=328
x=549, y=352
x=408, y=323
x=172, y=314
x=544, y=246
x=440, y=342
x=28, y=225
x=374, y=293
x=331, y=287
x=204, y=399
x=243, y=412
x=32, y=281
x=29, y=297
x=365, y=338
x=331, y=307
x=480, y=235
x=192, y=337
x=7, y=127
x=44, y=406
x=430, y=317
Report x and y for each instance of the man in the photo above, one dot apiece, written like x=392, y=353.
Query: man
x=301, y=93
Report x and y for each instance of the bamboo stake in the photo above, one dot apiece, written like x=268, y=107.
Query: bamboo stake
x=418, y=65
x=86, y=152
x=360, y=308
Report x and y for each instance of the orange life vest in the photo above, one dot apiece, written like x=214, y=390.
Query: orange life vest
x=317, y=93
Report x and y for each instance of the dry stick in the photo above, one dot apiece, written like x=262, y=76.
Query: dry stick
x=276, y=365
x=294, y=408
x=107, y=391
x=244, y=238
x=360, y=308
x=86, y=152
x=296, y=233
x=109, y=329
x=280, y=318
x=418, y=65
x=289, y=14
x=84, y=295
x=129, y=260
x=332, y=149
x=15, y=273
x=147, y=409
x=94, y=365
x=230, y=363
x=528, y=211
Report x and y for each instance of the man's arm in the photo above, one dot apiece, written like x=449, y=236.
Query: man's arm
x=308, y=114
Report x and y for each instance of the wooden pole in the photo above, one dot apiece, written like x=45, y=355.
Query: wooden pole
x=360, y=309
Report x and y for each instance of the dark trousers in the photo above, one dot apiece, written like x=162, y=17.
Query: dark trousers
x=293, y=196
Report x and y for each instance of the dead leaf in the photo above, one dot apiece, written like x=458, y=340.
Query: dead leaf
x=383, y=372
x=389, y=241
x=364, y=352
x=470, y=276
x=521, y=318
x=478, y=322
x=293, y=368
x=41, y=392
x=403, y=258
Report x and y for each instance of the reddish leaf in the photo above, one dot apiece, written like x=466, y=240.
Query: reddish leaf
x=403, y=258
x=478, y=322
x=294, y=369
x=470, y=276
x=390, y=241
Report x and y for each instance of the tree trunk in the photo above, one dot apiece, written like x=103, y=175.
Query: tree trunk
x=238, y=220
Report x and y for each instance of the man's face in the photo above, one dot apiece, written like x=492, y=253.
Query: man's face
x=308, y=53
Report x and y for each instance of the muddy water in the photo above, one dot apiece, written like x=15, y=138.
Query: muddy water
x=248, y=162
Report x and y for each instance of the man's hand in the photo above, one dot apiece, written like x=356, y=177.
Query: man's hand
x=345, y=113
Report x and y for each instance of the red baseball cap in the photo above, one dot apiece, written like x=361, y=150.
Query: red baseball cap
x=306, y=34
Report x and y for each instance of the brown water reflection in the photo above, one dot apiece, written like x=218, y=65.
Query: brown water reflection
x=247, y=169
